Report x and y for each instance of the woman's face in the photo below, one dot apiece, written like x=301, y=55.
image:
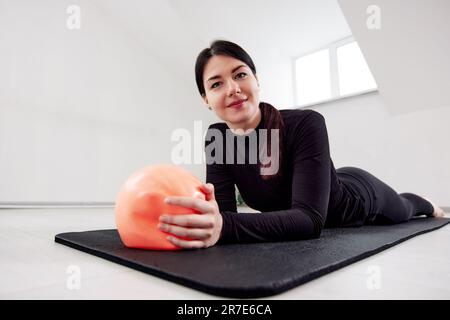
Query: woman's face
x=232, y=91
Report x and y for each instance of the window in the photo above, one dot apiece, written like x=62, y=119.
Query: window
x=313, y=77
x=354, y=74
x=339, y=70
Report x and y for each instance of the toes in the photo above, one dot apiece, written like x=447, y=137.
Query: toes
x=439, y=213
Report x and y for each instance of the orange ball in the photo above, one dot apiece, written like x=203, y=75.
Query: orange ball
x=140, y=203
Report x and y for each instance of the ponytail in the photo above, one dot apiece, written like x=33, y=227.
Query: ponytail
x=272, y=119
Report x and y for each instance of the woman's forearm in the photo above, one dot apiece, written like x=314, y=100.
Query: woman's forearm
x=284, y=225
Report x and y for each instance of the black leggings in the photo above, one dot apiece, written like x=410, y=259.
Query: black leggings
x=383, y=204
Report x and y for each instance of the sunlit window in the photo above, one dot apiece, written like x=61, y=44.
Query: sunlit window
x=338, y=70
x=354, y=74
x=313, y=77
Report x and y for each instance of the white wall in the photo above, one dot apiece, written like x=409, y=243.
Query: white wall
x=405, y=151
x=80, y=110
x=401, y=134
x=408, y=53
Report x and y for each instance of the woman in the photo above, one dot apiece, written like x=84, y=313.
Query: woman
x=304, y=194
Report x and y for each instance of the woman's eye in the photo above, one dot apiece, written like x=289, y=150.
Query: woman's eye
x=240, y=75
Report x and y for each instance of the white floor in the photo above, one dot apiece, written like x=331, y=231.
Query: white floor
x=33, y=266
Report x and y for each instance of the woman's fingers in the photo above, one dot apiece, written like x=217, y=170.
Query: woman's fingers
x=189, y=202
x=208, y=189
x=187, y=244
x=188, y=220
x=204, y=228
x=198, y=234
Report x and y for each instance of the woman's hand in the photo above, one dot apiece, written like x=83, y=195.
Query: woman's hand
x=204, y=229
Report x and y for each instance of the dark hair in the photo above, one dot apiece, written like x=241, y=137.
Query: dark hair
x=271, y=117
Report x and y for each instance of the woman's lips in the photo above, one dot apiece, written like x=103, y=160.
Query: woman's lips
x=237, y=104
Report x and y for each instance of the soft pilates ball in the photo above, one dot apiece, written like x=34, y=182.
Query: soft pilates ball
x=140, y=203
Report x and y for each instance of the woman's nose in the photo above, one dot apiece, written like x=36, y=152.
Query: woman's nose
x=233, y=87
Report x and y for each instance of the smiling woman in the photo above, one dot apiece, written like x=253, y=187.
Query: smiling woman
x=241, y=108
x=297, y=201
x=227, y=81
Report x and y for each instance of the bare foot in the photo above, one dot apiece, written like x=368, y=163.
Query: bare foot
x=438, y=212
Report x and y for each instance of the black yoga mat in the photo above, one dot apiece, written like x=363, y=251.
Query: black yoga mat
x=253, y=270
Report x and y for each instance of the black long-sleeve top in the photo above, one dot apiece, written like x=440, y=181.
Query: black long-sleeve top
x=297, y=205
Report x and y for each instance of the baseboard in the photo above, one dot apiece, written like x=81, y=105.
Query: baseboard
x=33, y=205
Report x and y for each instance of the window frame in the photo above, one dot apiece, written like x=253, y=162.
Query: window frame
x=334, y=74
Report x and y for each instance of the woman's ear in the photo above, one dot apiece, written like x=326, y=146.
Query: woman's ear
x=205, y=99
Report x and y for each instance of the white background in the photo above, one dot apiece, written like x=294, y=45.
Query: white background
x=80, y=110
